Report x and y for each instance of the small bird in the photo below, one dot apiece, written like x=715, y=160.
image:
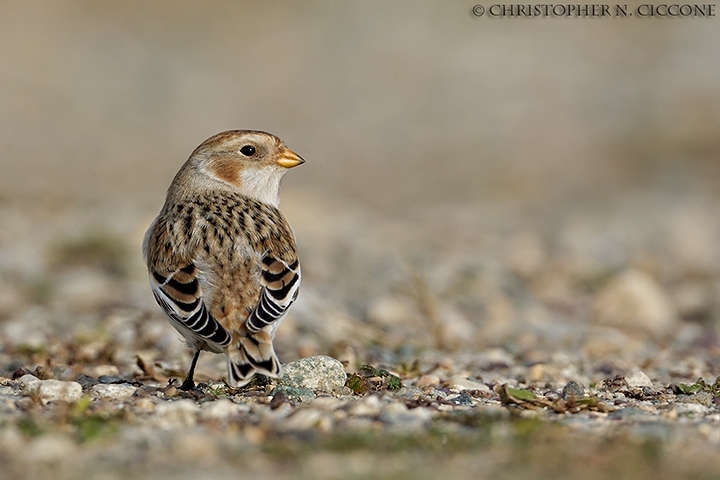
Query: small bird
x=222, y=259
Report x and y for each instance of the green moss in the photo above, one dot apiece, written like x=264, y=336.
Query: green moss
x=94, y=427
x=29, y=427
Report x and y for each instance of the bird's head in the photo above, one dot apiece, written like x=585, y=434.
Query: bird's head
x=247, y=161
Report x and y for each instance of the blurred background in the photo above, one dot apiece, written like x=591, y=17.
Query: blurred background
x=529, y=184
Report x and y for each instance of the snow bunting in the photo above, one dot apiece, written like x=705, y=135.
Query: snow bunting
x=222, y=259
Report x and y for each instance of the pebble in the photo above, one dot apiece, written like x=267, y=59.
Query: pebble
x=221, y=409
x=702, y=398
x=29, y=383
x=366, y=407
x=572, y=388
x=7, y=390
x=109, y=379
x=144, y=405
x=398, y=417
x=306, y=419
x=112, y=392
x=635, y=301
x=459, y=383
x=175, y=414
x=461, y=400
x=319, y=373
x=51, y=390
x=105, y=371
x=428, y=381
x=296, y=394
x=692, y=409
x=85, y=381
x=638, y=379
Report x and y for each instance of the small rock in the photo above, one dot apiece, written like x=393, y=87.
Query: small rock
x=56, y=390
x=632, y=413
x=703, y=398
x=29, y=384
x=536, y=373
x=51, y=390
x=307, y=419
x=692, y=409
x=113, y=393
x=105, y=370
x=20, y=372
x=221, y=409
x=460, y=383
x=85, y=381
x=635, y=301
x=110, y=379
x=366, y=407
x=144, y=405
x=7, y=391
x=43, y=373
x=296, y=394
x=428, y=381
x=328, y=404
x=638, y=379
x=572, y=388
x=319, y=373
x=398, y=417
x=461, y=400
x=179, y=413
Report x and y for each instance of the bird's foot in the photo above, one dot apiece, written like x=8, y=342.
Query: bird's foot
x=187, y=385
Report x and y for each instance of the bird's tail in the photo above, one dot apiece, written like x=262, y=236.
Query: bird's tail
x=252, y=354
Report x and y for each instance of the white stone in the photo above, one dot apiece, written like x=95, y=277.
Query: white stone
x=56, y=390
x=319, y=373
x=399, y=417
x=459, y=383
x=638, y=379
x=7, y=391
x=179, y=413
x=366, y=407
x=307, y=419
x=101, y=370
x=29, y=383
x=112, y=392
x=221, y=409
x=635, y=301
x=51, y=390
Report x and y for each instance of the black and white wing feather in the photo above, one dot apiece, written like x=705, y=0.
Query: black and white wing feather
x=281, y=284
x=180, y=296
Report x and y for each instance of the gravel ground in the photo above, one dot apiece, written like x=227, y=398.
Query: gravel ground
x=516, y=353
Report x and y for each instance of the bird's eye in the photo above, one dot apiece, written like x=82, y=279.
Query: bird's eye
x=248, y=150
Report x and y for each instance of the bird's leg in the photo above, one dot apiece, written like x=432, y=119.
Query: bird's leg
x=188, y=383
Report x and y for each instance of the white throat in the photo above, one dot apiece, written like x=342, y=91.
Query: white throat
x=262, y=184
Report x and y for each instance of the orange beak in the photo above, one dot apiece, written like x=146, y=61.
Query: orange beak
x=289, y=159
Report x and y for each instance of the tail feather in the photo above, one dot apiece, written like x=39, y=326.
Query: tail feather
x=252, y=354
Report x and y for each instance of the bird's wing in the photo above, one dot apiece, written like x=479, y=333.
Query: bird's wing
x=176, y=287
x=180, y=296
x=281, y=282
